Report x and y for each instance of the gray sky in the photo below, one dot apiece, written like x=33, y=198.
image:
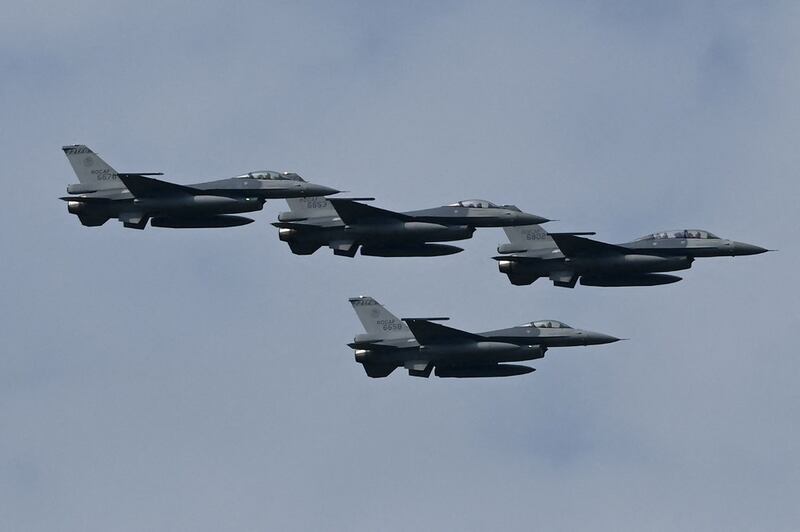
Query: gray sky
x=199, y=380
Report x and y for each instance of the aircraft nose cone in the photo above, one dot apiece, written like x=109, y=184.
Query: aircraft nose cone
x=740, y=248
x=523, y=218
x=595, y=338
x=320, y=190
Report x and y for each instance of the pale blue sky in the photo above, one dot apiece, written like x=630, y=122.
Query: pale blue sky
x=199, y=380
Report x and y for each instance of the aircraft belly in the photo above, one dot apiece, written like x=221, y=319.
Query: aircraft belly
x=562, y=341
x=444, y=220
x=565, y=272
x=406, y=233
x=626, y=264
x=243, y=192
x=541, y=340
x=197, y=205
x=472, y=221
x=479, y=353
x=706, y=252
x=680, y=251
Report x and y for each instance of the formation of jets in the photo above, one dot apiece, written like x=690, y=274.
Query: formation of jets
x=420, y=345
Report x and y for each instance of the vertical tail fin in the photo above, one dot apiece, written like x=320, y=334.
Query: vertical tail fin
x=378, y=321
x=92, y=171
x=528, y=238
x=313, y=207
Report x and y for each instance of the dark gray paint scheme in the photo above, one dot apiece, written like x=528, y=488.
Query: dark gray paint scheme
x=421, y=345
x=345, y=225
x=567, y=257
x=135, y=198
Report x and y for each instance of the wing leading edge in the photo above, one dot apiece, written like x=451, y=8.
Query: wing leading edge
x=352, y=212
x=148, y=187
x=576, y=246
x=427, y=332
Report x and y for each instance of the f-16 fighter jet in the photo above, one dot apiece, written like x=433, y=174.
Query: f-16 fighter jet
x=421, y=345
x=566, y=257
x=135, y=198
x=346, y=224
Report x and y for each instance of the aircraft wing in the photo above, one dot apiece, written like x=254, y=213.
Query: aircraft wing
x=428, y=332
x=574, y=233
x=576, y=246
x=353, y=212
x=148, y=187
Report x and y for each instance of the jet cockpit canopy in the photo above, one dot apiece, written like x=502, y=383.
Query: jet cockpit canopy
x=548, y=324
x=683, y=234
x=475, y=204
x=272, y=175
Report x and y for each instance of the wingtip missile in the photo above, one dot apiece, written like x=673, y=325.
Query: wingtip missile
x=135, y=174
x=352, y=199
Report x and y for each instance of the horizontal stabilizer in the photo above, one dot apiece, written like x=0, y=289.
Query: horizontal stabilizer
x=295, y=225
x=509, y=248
x=148, y=187
x=371, y=346
x=84, y=188
x=85, y=199
x=575, y=246
x=427, y=332
x=517, y=258
x=352, y=212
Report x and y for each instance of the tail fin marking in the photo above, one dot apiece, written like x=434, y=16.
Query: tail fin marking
x=92, y=171
x=532, y=239
x=312, y=207
x=378, y=321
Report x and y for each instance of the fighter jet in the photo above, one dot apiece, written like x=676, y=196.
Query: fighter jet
x=566, y=257
x=346, y=224
x=135, y=198
x=421, y=345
